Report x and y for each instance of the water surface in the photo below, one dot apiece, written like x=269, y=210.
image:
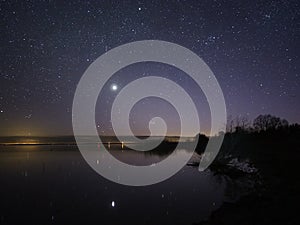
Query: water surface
x=44, y=184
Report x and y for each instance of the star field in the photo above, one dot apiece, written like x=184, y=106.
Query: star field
x=251, y=46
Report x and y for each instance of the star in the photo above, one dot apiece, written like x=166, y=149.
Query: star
x=114, y=87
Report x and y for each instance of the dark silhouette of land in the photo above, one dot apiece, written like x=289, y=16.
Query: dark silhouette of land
x=272, y=145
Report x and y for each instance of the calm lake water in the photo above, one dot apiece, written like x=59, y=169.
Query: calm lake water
x=43, y=184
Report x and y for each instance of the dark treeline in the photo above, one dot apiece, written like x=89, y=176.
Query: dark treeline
x=261, y=124
x=243, y=138
x=271, y=145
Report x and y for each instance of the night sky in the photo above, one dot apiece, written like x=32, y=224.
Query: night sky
x=251, y=46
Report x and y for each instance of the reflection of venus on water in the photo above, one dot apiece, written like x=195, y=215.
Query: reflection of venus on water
x=62, y=173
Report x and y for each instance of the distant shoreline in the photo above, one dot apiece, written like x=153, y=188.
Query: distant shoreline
x=70, y=140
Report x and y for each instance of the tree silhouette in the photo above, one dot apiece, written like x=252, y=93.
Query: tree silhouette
x=269, y=123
